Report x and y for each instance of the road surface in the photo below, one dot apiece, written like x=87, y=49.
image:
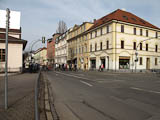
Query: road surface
x=105, y=96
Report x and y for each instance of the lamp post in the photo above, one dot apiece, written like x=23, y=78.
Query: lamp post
x=136, y=52
x=6, y=59
x=43, y=41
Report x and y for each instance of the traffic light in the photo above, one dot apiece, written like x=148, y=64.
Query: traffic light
x=136, y=60
x=43, y=39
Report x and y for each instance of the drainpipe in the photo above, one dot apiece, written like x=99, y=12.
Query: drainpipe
x=115, y=46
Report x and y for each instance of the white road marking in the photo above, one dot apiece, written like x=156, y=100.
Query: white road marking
x=74, y=76
x=157, y=92
x=109, y=81
x=86, y=83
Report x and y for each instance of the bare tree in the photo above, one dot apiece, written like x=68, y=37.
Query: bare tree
x=62, y=27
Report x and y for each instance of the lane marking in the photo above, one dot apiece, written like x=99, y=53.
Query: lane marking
x=73, y=76
x=157, y=92
x=109, y=81
x=86, y=83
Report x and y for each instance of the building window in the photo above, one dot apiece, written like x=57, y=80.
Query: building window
x=146, y=33
x=86, y=48
x=91, y=35
x=2, y=55
x=76, y=51
x=141, y=32
x=90, y=48
x=122, y=28
x=101, y=31
x=140, y=46
x=156, y=61
x=134, y=31
x=156, y=48
x=156, y=34
x=95, y=46
x=107, y=45
x=134, y=46
x=140, y=61
x=101, y=45
x=96, y=33
x=82, y=49
x=107, y=28
x=146, y=47
x=86, y=37
x=122, y=44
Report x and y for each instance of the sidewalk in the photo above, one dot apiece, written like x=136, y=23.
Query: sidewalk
x=20, y=97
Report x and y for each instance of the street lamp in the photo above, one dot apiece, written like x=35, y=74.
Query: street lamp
x=136, y=52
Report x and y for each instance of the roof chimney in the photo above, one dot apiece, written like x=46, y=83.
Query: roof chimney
x=94, y=20
x=124, y=9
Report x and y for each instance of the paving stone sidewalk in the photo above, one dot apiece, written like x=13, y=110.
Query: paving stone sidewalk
x=20, y=96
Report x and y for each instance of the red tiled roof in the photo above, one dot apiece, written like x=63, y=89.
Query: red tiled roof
x=123, y=16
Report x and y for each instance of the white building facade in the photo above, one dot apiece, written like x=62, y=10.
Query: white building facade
x=61, y=49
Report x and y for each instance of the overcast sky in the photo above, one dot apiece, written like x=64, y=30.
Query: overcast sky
x=40, y=17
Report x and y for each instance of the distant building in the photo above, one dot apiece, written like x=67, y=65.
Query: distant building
x=78, y=45
x=61, y=49
x=40, y=56
x=15, y=45
x=51, y=49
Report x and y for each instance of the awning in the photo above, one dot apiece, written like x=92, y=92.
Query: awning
x=124, y=57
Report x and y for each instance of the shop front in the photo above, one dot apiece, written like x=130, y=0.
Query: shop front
x=124, y=62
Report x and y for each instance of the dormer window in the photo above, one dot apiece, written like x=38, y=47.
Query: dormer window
x=125, y=17
x=134, y=19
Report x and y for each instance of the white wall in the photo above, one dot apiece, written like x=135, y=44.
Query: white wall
x=15, y=56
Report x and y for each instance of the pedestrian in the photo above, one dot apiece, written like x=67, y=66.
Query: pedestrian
x=102, y=66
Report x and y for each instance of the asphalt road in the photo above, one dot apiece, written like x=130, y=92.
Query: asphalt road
x=106, y=96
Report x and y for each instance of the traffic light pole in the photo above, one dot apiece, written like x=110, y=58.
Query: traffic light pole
x=43, y=41
x=6, y=59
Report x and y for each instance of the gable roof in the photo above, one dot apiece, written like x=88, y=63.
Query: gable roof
x=123, y=16
x=11, y=30
x=12, y=40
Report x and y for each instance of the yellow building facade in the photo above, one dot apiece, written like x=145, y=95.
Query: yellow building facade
x=78, y=45
x=115, y=39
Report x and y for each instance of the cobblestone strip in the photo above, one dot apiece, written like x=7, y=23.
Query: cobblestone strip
x=49, y=102
x=41, y=99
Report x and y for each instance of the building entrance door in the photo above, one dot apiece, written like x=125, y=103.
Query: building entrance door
x=148, y=63
x=103, y=61
x=93, y=64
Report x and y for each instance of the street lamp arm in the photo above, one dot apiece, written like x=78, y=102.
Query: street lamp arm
x=145, y=40
x=35, y=43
